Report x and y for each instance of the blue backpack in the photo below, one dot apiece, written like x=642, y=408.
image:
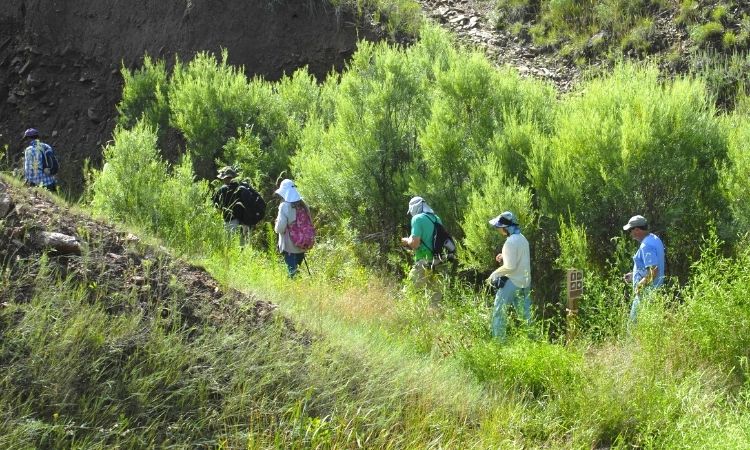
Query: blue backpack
x=49, y=160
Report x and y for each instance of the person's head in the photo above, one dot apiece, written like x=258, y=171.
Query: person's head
x=227, y=174
x=416, y=206
x=288, y=191
x=637, y=226
x=505, y=223
x=30, y=134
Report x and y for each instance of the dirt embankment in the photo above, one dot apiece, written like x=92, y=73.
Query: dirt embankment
x=60, y=59
x=112, y=264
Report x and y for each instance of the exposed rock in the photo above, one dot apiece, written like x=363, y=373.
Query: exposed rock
x=61, y=243
x=6, y=206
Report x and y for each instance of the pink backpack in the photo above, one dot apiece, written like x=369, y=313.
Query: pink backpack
x=302, y=231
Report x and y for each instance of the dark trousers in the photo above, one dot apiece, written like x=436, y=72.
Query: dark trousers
x=293, y=261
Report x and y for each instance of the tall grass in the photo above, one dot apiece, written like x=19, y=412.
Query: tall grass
x=378, y=366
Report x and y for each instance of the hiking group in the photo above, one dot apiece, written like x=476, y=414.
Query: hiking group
x=512, y=279
x=242, y=208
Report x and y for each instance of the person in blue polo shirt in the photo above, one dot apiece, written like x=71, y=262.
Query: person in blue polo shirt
x=35, y=173
x=648, y=262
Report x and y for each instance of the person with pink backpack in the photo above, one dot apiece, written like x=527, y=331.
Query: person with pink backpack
x=294, y=227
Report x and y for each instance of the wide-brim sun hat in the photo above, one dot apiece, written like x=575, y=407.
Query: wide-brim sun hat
x=504, y=220
x=288, y=191
x=635, y=221
x=226, y=172
x=414, y=202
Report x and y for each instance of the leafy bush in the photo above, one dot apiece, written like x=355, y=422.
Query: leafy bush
x=358, y=166
x=628, y=145
x=209, y=100
x=708, y=34
x=135, y=187
x=144, y=95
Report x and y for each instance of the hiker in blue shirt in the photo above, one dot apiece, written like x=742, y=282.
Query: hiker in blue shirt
x=36, y=173
x=648, y=262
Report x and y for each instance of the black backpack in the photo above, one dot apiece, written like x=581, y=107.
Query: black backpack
x=251, y=206
x=443, y=245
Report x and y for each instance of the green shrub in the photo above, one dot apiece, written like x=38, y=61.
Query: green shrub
x=689, y=12
x=719, y=13
x=135, y=187
x=209, y=100
x=144, y=96
x=357, y=167
x=729, y=40
x=497, y=194
x=628, y=145
x=640, y=38
x=708, y=34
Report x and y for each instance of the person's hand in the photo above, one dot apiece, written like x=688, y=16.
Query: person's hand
x=499, y=258
x=628, y=277
x=405, y=241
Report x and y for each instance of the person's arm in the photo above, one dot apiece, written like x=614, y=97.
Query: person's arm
x=412, y=242
x=651, y=270
x=281, y=219
x=648, y=278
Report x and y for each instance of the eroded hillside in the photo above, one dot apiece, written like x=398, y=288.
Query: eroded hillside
x=60, y=60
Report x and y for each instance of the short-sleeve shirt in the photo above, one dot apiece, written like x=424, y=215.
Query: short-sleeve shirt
x=422, y=226
x=34, y=163
x=650, y=253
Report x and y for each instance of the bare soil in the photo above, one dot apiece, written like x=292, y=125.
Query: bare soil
x=114, y=266
x=60, y=60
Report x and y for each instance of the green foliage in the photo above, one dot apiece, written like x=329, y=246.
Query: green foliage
x=144, y=95
x=276, y=116
x=497, y=194
x=209, y=100
x=640, y=37
x=479, y=117
x=726, y=76
x=628, y=145
x=736, y=173
x=134, y=186
x=689, y=12
x=709, y=325
x=708, y=34
x=357, y=167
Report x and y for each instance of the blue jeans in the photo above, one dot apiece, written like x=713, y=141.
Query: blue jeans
x=509, y=295
x=293, y=261
x=642, y=297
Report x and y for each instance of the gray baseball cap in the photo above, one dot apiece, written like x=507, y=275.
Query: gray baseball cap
x=635, y=221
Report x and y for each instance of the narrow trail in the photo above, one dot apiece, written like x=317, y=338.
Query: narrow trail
x=471, y=22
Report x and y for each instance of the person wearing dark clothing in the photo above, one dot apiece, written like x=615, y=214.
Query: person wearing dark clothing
x=227, y=200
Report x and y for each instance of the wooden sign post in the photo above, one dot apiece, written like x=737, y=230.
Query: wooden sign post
x=575, y=291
